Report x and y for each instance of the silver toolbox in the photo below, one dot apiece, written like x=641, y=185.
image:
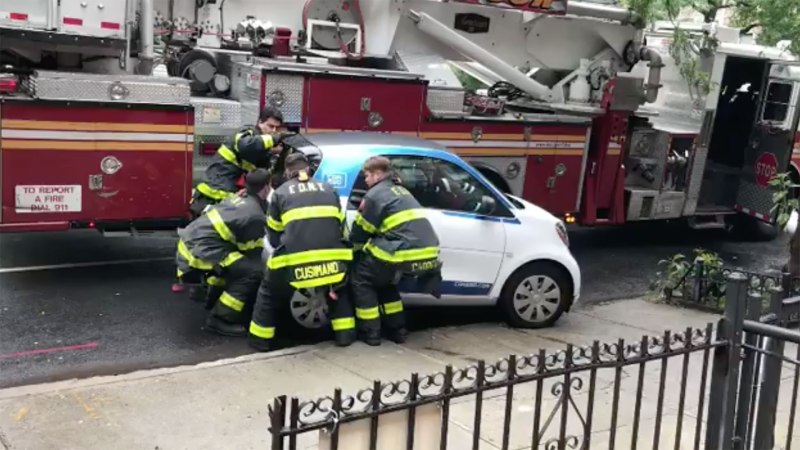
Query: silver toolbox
x=48, y=85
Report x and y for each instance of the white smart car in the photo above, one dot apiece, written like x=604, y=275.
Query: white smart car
x=495, y=248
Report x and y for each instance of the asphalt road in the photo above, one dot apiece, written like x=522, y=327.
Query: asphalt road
x=60, y=319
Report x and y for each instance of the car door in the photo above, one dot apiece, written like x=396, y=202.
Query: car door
x=472, y=243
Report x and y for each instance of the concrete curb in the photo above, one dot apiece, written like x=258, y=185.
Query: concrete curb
x=77, y=383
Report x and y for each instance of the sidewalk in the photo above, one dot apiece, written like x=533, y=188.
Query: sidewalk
x=223, y=404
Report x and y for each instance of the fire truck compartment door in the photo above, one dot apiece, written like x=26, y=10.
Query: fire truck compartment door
x=770, y=147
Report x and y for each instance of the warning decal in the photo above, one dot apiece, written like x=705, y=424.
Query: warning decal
x=48, y=199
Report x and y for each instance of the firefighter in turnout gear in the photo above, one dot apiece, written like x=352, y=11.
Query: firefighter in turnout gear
x=305, y=225
x=249, y=149
x=226, y=244
x=397, y=241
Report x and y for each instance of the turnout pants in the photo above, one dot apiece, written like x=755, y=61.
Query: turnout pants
x=235, y=302
x=276, y=293
x=376, y=295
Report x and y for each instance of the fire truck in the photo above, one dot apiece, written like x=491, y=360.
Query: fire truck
x=111, y=109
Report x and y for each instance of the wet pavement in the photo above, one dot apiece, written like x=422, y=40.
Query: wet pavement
x=77, y=304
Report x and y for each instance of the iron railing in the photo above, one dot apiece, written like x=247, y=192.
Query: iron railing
x=738, y=398
x=704, y=286
x=575, y=371
x=746, y=378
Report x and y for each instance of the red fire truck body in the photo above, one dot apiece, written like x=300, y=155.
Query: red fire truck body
x=118, y=152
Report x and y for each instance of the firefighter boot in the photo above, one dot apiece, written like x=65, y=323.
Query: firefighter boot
x=219, y=326
x=197, y=294
x=258, y=344
x=398, y=335
x=371, y=337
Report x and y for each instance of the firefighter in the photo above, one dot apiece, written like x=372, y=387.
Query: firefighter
x=305, y=226
x=226, y=243
x=397, y=240
x=250, y=148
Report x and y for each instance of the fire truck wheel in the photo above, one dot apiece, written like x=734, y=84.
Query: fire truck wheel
x=536, y=295
x=751, y=229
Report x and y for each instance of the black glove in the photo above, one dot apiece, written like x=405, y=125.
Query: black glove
x=280, y=136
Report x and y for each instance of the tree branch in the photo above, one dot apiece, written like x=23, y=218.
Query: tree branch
x=749, y=28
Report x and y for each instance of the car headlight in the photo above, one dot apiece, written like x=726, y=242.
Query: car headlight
x=562, y=232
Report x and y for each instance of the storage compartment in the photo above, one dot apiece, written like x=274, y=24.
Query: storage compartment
x=38, y=14
x=345, y=103
x=99, y=18
x=48, y=85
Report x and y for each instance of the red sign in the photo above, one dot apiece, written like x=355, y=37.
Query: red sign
x=766, y=168
x=540, y=6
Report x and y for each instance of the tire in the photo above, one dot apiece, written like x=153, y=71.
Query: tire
x=556, y=291
x=307, y=315
x=751, y=229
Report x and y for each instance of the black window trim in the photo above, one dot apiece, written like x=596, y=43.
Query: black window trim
x=501, y=211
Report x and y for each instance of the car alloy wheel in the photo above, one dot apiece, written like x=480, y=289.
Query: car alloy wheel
x=309, y=310
x=536, y=298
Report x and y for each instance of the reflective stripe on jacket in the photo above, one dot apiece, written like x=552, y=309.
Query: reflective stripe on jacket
x=304, y=225
x=246, y=151
x=230, y=230
x=391, y=225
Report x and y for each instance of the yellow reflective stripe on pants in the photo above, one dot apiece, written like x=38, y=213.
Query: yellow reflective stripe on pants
x=363, y=223
x=212, y=193
x=345, y=323
x=231, y=302
x=262, y=332
x=310, y=256
x=312, y=212
x=230, y=259
x=219, y=225
x=317, y=282
x=400, y=218
x=393, y=307
x=402, y=256
x=274, y=224
x=215, y=281
x=368, y=313
x=193, y=262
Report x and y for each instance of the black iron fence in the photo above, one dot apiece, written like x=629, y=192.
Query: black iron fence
x=703, y=286
x=712, y=388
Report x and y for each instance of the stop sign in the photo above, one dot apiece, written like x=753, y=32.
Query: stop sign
x=766, y=168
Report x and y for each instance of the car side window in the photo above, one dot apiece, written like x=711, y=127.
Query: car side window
x=434, y=183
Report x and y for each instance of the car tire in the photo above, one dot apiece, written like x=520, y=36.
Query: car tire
x=307, y=316
x=547, y=281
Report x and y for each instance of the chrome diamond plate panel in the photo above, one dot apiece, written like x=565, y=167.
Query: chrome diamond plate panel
x=446, y=100
x=246, y=88
x=214, y=113
x=754, y=197
x=90, y=87
x=200, y=161
x=285, y=92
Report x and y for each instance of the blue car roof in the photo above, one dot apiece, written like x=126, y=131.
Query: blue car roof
x=344, y=153
x=366, y=144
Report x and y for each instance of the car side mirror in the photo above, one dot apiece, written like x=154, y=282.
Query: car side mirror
x=488, y=205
